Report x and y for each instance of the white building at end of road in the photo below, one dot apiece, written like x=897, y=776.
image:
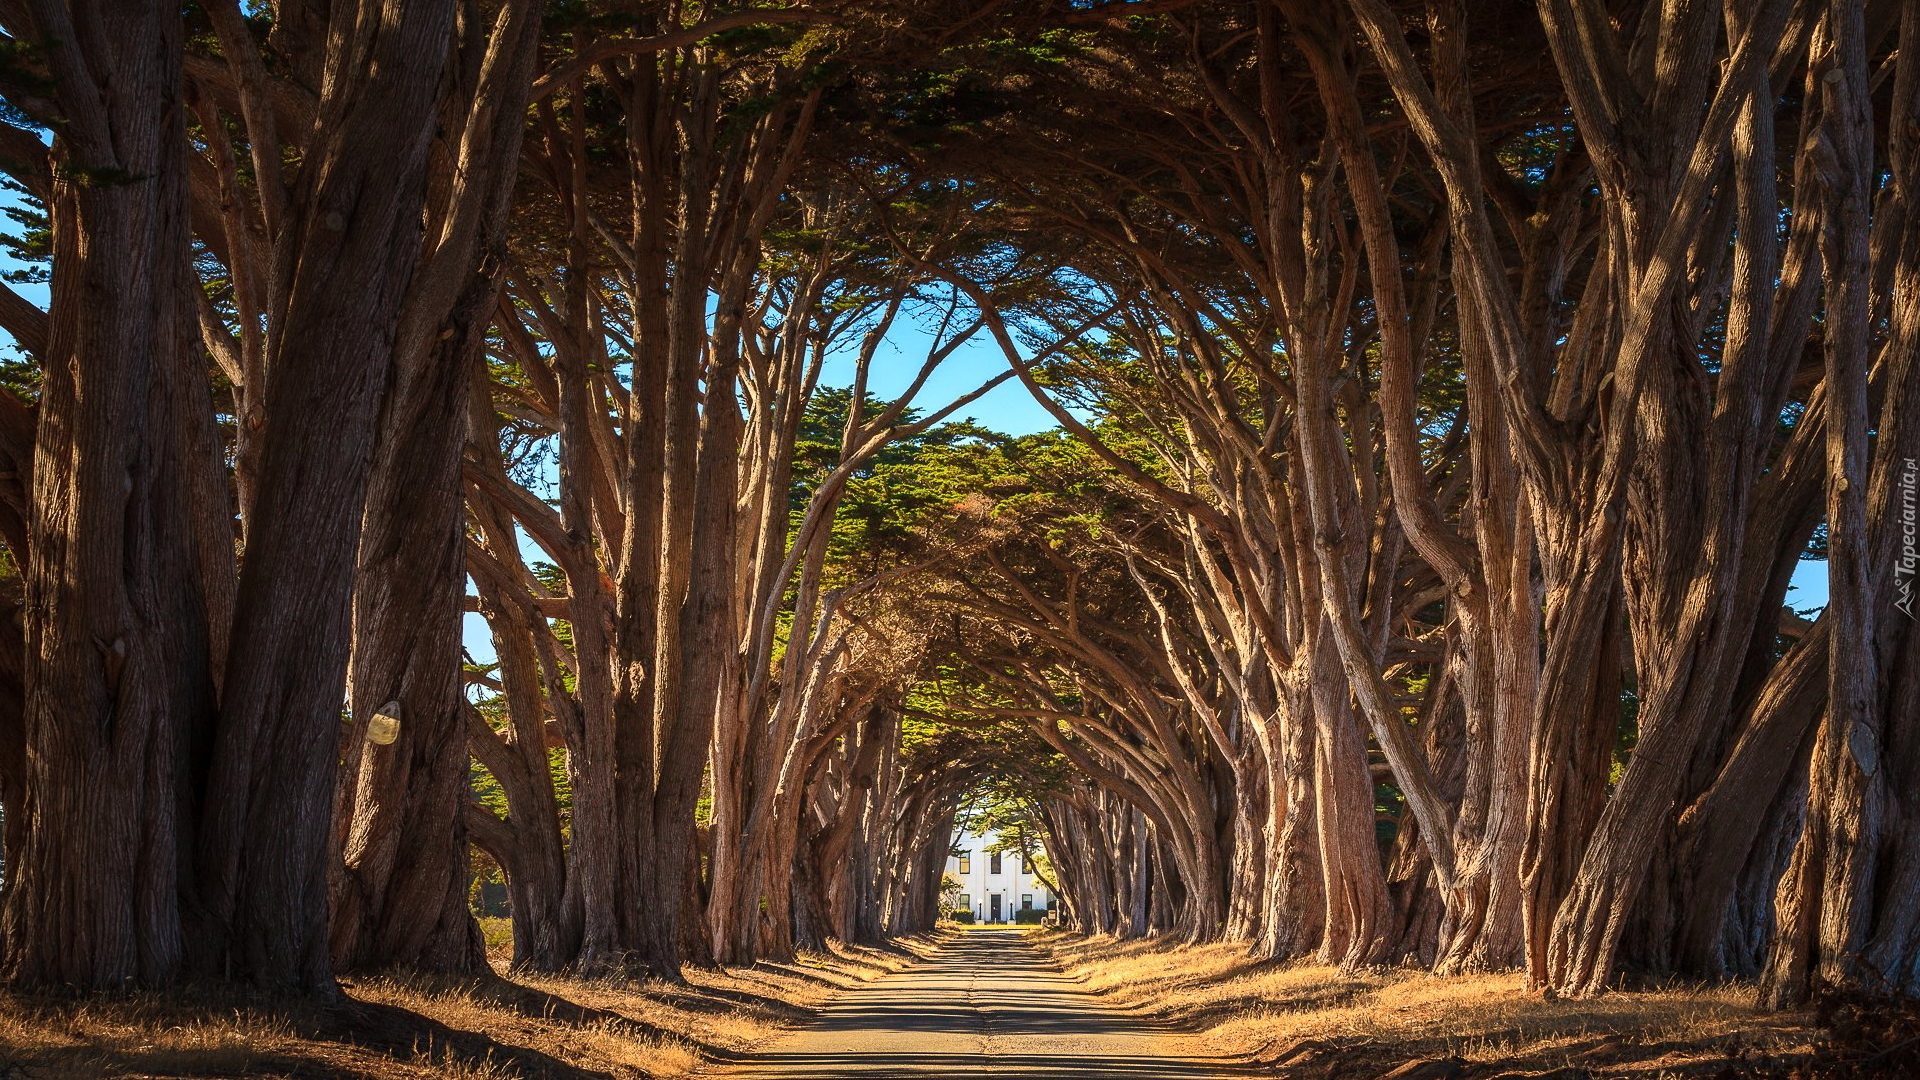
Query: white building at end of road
x=994, y=885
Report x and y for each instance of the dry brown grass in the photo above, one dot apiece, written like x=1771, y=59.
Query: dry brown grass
x=404, y=1027
x=1316, y=1021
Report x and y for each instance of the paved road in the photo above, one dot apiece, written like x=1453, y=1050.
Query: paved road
x=986, y=1007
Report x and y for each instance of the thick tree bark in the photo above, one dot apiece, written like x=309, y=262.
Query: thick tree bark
x=122, y=613
x=13, y=734
x=1357, y=930
x=1847, y=918
x=1720, y=834
x=347, y=258
x=399, y=897
x=1295, y=918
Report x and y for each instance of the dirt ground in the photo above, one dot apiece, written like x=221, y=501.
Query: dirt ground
x=396, y=1029
x=1008, y=1004
x=1307, y=1022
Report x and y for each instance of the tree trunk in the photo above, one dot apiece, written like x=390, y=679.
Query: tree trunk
x=1358, y=913
x=400, y=899
x=349, y=251
x=1294, y=921
x=123, y=611
x=1848, y=919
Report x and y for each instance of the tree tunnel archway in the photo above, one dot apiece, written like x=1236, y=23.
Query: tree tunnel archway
x=1442, y=399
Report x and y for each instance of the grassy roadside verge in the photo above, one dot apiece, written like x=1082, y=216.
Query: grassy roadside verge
x=1318, y=1022
x=398, y=1028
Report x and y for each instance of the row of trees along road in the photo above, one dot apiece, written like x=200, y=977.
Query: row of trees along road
x=1445, y=393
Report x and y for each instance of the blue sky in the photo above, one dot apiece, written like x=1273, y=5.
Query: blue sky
x=1809, y=589
x=1007, y=408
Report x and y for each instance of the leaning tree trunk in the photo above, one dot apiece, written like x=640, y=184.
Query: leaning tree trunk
x=349, y=250
x=400, y=896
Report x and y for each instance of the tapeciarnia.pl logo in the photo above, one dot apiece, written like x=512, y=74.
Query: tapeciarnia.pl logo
x=1903, y=569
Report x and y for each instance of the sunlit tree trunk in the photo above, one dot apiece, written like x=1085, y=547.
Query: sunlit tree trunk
x=1847, y=915
x=528, y=843
x=124, y=604
x=350, y=243
x=400, y=892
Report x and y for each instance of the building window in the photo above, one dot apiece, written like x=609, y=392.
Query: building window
x=966, y=862
x=1026, y=863
x=1026, y=901
x=993, y=863
x=965, y=903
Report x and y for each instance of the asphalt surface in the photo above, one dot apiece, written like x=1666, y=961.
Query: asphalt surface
x=986, y=1007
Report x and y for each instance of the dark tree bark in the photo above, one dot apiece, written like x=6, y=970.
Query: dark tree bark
x=344, y=265
x=121, y=646
x=1847, y=914
x=399, y=897
x=13, y=734
x=121, y=612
